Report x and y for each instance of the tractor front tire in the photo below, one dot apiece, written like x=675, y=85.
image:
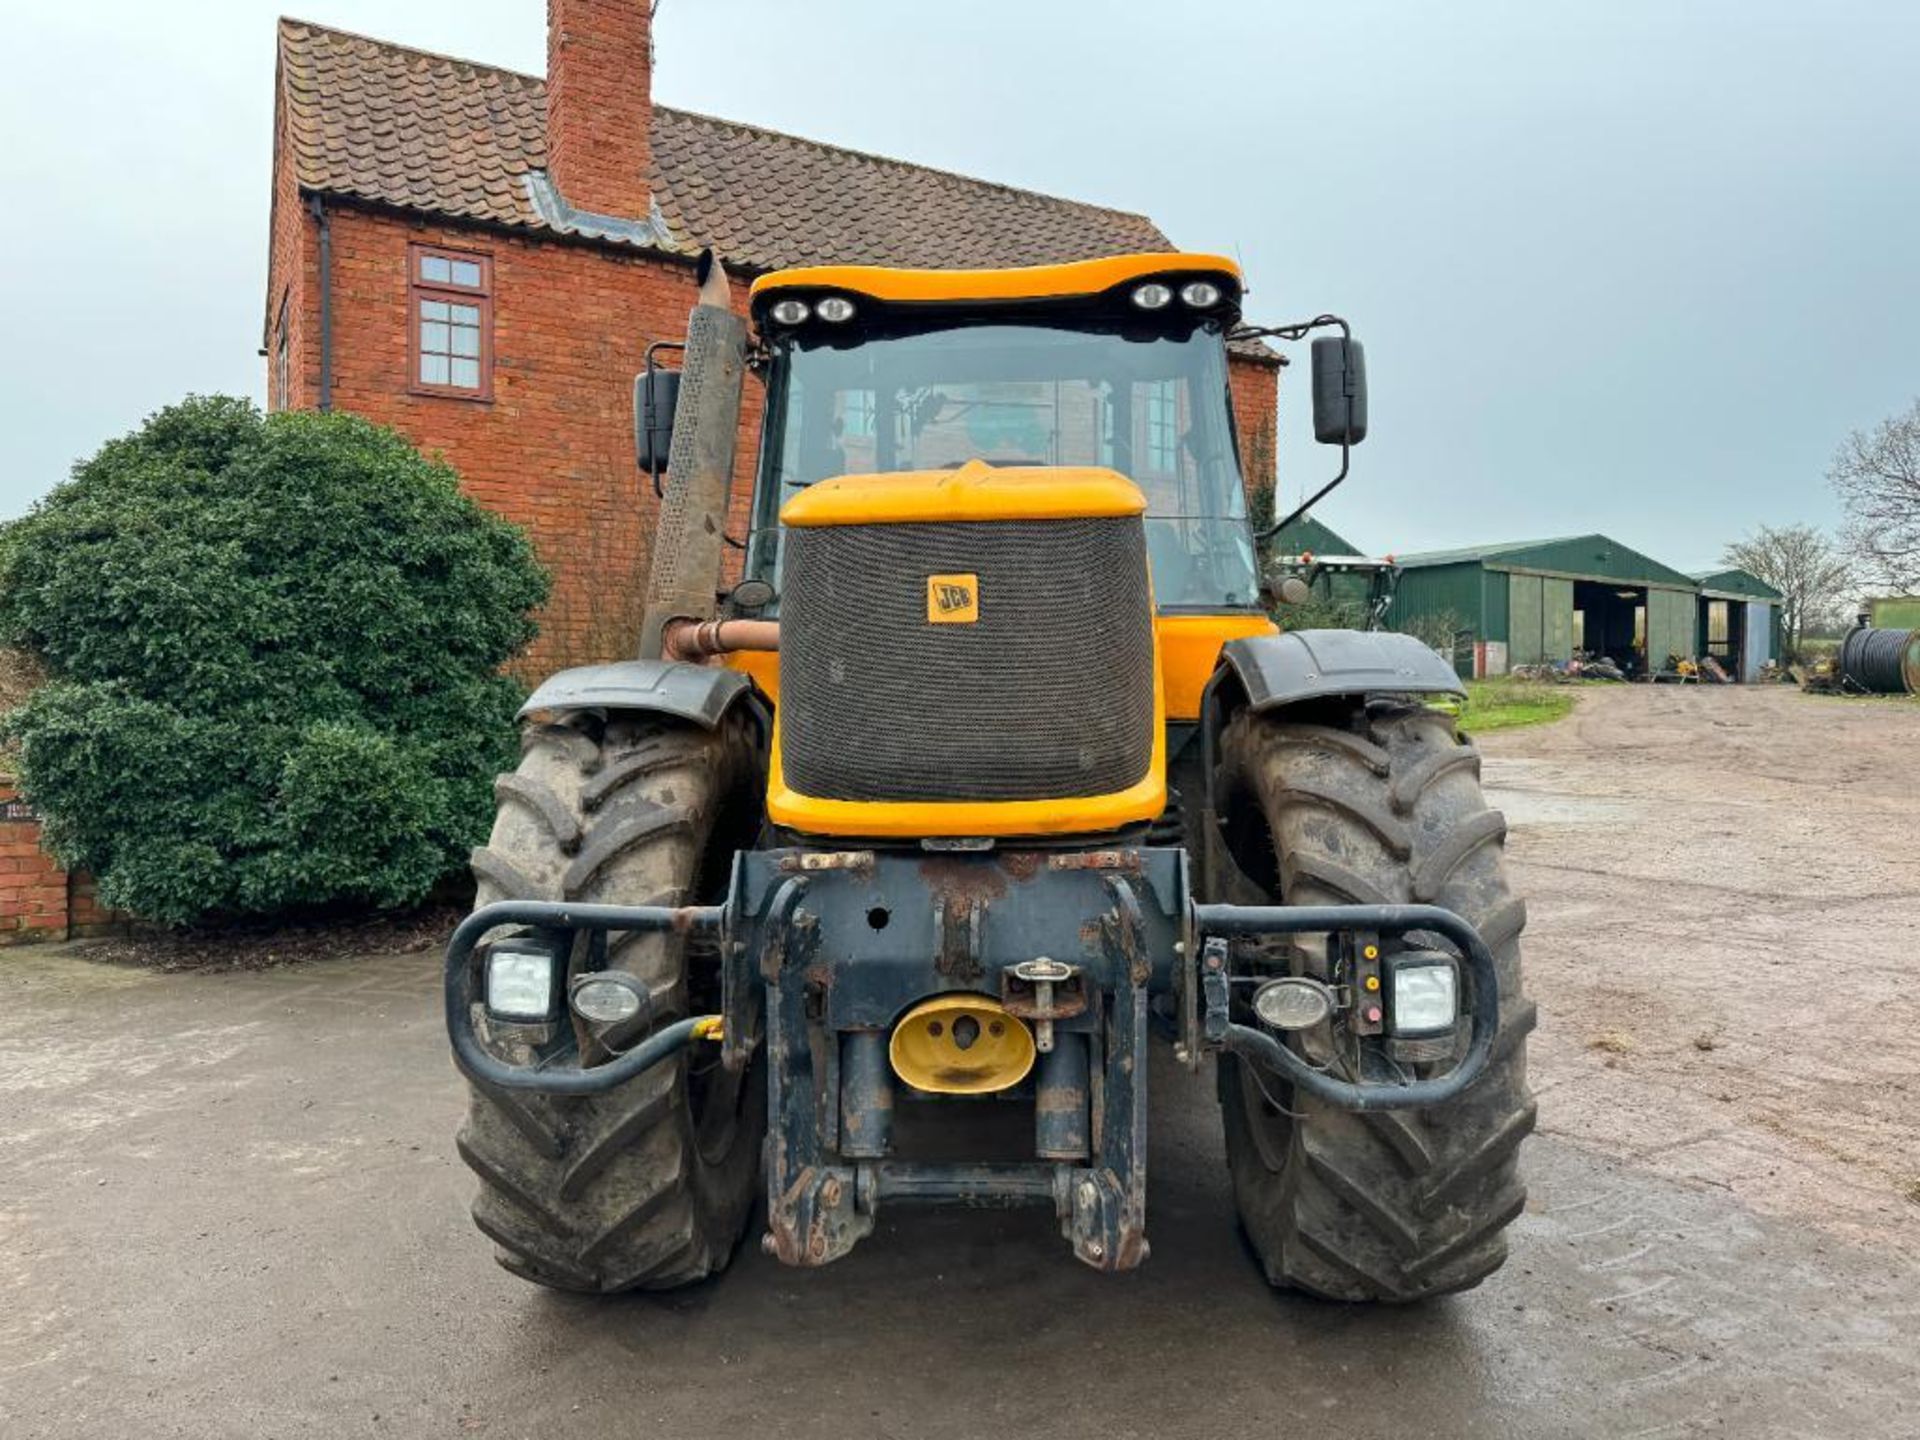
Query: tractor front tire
x=648, y=1186
x=1379, y=805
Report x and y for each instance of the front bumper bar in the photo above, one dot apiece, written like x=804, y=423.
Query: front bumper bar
x=1257, y=1045
x=821, y=952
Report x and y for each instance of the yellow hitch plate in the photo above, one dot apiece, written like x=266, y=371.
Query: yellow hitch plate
x=961, y=1045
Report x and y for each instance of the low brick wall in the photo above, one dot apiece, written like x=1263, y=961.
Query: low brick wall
x=39, y=900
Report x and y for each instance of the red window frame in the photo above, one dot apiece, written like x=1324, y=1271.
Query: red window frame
x=421, y=290
x=281, y=384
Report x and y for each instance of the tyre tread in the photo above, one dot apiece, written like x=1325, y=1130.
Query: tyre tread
x=610, y=1192
x=1386, y=1205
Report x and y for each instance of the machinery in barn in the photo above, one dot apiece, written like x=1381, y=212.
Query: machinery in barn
x=872, y=881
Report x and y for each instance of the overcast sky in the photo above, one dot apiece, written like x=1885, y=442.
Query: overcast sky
x=1624, y=265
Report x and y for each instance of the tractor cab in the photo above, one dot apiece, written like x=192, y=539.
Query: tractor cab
x=1357, y=587
x=1116, y=364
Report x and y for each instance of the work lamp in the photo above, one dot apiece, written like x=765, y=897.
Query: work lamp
x=1423, y=994
x=608, y=997
x=520, y=982
x=1292, y=1002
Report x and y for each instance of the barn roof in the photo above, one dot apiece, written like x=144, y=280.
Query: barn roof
x=1596, y=557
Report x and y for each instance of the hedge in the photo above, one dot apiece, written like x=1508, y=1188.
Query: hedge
x=273, y=647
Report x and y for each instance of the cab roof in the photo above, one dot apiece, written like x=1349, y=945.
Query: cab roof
x=1029, y=282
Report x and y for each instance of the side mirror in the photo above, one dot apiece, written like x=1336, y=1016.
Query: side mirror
x=655, y=394
x=1339, y=390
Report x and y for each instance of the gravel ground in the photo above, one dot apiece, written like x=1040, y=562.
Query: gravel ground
x=231, y=1207
x=1725, y=909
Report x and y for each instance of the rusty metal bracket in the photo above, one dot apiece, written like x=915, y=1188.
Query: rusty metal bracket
x=819, y=1218
x=1126, y=930
x=1103, y=1221
x=957, y=921
x=1214, y=991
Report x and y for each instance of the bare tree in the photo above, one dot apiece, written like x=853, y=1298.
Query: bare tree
x=1877, y=476
x=1436, y=631
x=1797, y=560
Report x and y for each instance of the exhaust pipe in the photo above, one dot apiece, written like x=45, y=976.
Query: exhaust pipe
x=685, y=570
x=698, y=640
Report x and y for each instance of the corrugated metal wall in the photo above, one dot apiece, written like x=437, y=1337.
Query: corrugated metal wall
x=1672, y=624
x=1440, y=590
x=1526, y=613
x=1495, y=602
x=1539, y=620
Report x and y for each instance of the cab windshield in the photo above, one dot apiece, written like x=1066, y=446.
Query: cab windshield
x=1152, y=406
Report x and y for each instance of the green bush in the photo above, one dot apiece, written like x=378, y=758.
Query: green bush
x=273, y=649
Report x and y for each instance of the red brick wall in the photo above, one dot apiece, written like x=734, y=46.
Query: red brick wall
x=1255, y=389
x=291, y=262
x=553, y=447
x=599, y=104
x=33, y=890
x=85, y=914
x=39, y=900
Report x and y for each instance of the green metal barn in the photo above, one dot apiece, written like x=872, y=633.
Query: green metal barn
x=1894, y=612
x=1307, y=536
x=1739, y=621
x=1528, y=601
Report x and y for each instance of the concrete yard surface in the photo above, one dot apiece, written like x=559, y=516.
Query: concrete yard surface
x=231, y=1207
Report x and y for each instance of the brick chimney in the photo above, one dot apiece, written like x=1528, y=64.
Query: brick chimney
x=600, y=104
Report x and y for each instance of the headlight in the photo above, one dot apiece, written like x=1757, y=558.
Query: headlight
x=608, y=997
x=790, y=312
x=1152, y=296
x=1200, y=294
x=1423, y=989
x=1293, y=1002
x=835, y=309
x=520, y=982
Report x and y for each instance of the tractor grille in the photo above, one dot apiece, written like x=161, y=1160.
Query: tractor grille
x=1049, y=694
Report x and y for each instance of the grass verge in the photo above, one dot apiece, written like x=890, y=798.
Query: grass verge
x=1509, y=704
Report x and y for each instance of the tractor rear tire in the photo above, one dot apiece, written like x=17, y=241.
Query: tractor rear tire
x=1387, y=1205
x=651, y=1185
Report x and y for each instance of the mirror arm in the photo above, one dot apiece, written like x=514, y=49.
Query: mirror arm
x=1298, y=330
x=1307, y=504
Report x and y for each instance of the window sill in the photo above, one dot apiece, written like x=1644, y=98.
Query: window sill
x=443, y=392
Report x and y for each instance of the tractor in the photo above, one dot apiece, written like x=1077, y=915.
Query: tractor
x=1357, y=587
x=876, y=875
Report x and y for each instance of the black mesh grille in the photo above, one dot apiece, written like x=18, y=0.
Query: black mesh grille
x=1049, y=695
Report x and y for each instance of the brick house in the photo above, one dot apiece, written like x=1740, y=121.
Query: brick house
x=481, y=258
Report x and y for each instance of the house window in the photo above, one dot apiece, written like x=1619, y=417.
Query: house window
x=452, y=323
x=282, y=361
x=856, y=411
x=1163, y=427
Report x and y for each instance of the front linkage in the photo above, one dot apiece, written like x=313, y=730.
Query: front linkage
x=823, y=952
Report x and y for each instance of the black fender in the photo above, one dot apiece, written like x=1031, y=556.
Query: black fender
x=1296, y=665
x=1267, y=672
x=700, y=693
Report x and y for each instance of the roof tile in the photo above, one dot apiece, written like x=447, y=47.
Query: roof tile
x=403, y=127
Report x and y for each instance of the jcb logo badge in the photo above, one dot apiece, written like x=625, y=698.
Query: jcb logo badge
x=953, y=599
